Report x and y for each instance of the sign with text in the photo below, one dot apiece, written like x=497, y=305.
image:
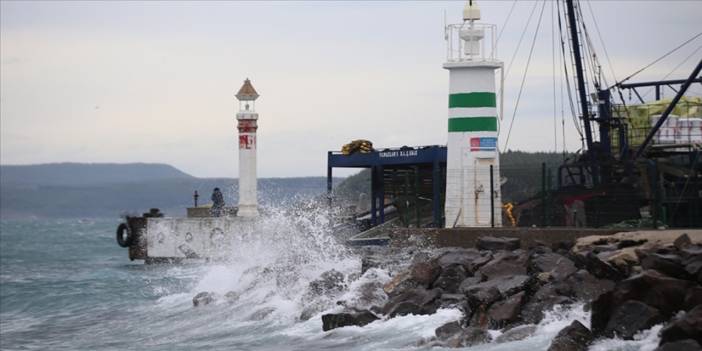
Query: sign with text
x=483, y=144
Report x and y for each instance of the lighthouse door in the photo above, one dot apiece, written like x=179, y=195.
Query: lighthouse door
x=481, y=186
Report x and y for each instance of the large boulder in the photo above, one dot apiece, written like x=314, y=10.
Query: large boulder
x=517, y=333
x=425, y=272
x=586, y=287
x=654, y=289
x=558, y=266
x=450, y=278
x=204, y=298
x=505, y=312
x=505, y=263
x=631, y=317
x=400, y=283
x=426, y=300
x=469, y=337
x=544, y=299
x=506, y=286
x=682, y=345
x=575, y=337
x=669, y=264
x=598, y=265
x=448, y=330
x=329, y=282
x=470, y=259
x=497, y=243
x=689, y=326
x=337, y=320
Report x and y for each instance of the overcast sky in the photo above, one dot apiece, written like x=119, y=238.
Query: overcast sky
x=154, y=81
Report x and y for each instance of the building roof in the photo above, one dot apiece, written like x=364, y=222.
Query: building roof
x=247, y=92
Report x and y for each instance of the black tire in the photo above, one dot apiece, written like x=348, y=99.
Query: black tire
x=121, y=240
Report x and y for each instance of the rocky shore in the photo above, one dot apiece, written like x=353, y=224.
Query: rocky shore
x=628, y=281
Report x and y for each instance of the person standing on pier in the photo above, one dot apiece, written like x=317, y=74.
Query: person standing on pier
x=217, y=203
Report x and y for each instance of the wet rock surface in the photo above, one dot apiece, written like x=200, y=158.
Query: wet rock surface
x=688, y=326
x=338, y=320
x=575, y=337
x=629, y=283
x=204, y=298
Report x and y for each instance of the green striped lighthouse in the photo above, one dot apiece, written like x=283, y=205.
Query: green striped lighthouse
x=473, y=124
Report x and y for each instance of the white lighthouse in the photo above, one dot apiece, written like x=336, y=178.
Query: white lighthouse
x=472, y=124
x=247, y=123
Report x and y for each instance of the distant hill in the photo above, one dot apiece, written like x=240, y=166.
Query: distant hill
x=108, y=190
x=87, y=173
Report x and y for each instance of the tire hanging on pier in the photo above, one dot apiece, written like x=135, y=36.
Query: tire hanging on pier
x=121, y=239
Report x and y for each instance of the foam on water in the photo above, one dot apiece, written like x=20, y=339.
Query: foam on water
x=82, y=294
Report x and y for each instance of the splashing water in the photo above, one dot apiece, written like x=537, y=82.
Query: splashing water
x=65, y=285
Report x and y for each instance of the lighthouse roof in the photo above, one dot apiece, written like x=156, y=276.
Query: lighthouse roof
x=247, y=92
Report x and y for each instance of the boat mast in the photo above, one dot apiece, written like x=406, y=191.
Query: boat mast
x=570, y=9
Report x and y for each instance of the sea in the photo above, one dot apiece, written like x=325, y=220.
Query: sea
x=66, y=285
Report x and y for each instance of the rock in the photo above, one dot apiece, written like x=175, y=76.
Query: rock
x=693, y=263
x=558, y=266
x=468, y=282
x=457, y=256
x=329, y=282
x=424, y=273
x=338, y=320
x=469, y=337
x=689, y=326
x=682, y=242
x=452, y=300
x=232, y=296
x=448, y=330
x=406, y=307
x=261, y=314
x=505, y=263
x=544, y=299
x=693, y=297
x=495, y=244
x=450, y=278
x=682, y=345
x=562, y=245
x=631, y=317
x=654, y=289
x=670, y=265
x=426, y=299
x=505, y=312
x=506, y=286
x=598, y=267
x=586, y=287
x=204, y=298
x=624, y=243
x=575, y=337
x=399, y=284
x=517, y=333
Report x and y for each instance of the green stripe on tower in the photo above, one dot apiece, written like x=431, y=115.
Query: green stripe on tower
x=480, y=99
x=472, y=124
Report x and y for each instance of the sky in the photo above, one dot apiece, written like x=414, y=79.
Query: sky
x=118, y=81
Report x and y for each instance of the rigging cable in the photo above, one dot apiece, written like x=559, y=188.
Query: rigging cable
x=514, y=3
x=599, y=35
x=526, y=70
x=516, y=51
x=660, y=58
x=675, y=69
